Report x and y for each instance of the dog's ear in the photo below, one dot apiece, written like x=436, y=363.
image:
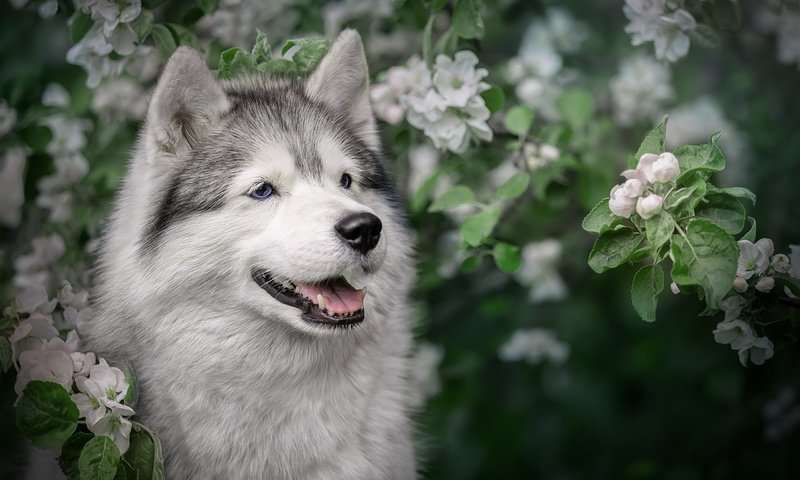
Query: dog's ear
x=187, y=101
x=341, y=81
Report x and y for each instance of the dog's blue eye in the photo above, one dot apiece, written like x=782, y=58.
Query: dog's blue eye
x=346, y=181
x=261, y=191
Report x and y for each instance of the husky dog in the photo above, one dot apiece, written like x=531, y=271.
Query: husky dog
x=255, y=272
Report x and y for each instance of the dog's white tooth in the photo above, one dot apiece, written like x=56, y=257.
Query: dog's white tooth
x=321, y=301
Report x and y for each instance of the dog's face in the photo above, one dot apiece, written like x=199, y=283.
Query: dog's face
x=275, y=188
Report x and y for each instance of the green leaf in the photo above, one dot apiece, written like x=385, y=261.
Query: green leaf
x=494, y=98
x=5, y=354
x=613, y=248
x=436, y=5
x=724, y=210
x=659, y=229
x=751, y=232
x=208, y=6
x=130, y=379
x=738, y=192
x=707, y=257
x=519, y=120
x=145, y=455
x=310, y=53
x=470, y=264
x=262, y=50
x=427, y=40
x=647, y=285
x=467, y=20
x=278, y=66
x=143, y=25
x=705, y=158
x=507, y=257
x=99, y=459
x=724, y=14
x=420, y=198
x=79, y=25
x=183, y=36
x=457, y=195
x=514, y=186
x=71, y=453
x=476, y=229
x=600, y=218
x=125, y=471
x=165, y=42
x=684, y=200
x=576, y=106
x=652, y=143
x=46, y=414
x=705, y=36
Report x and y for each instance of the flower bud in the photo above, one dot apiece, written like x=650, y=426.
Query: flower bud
x=674, y=287
x=633, y=188
x=620, y=204
x=765, y=284
x=766, y=246
x=781, y=263
x=645, y=166
x=740, y=284
x=665, y=168
x=649, y=206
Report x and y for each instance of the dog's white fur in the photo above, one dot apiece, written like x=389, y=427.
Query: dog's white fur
x=235, y=383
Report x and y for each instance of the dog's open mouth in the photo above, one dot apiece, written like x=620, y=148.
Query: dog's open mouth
x=333, y=302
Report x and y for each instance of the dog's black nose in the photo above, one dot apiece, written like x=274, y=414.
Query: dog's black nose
x=360, y=230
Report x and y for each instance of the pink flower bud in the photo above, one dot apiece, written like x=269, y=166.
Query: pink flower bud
x=740, y=284
x=620, y=204
x=781, y=263
x=649, y=206
x=765, y=284
x=665, y=168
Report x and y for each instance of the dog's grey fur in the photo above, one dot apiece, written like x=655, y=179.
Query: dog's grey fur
x=235, y=383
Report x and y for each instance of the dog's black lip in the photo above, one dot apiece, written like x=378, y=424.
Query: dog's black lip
x=311, y=312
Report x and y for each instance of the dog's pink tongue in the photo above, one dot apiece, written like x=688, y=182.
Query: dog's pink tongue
x=339, y=297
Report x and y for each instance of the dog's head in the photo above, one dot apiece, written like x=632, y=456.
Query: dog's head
x=269, y=194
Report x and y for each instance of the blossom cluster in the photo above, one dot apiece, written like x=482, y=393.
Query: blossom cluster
x=660, y=22
x=69, y=138
x=757, y=267
x=535, y=346
x=40, y=353
x=636, y=194
x=446, y=103
x=782, y=20
x=110, y=34
x=539, y=271
x=640, y=89
x=538, y=68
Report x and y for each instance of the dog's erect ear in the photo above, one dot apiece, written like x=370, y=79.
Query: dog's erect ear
x=341, y=81
x=187, y=101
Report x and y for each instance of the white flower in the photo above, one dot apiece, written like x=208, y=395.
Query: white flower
x=649, y=206
x=92, y=53
x=649, y=22
x=766, y=246
x=539, y=271
x=665, y=168
x=732, y=306
x=46, y=365
x=105, y=384
x=640, y=90
x=780, y=263
x=234, y=23
x=794, y=271
x=32, y=334
x=538, y=156
x=674, y=287
x=765, y=284
x=119, y=99
x=115, y=426
x=69, y=133
x=12, y=181
x=759, y=350
x=388, y=97
x=633, y=188
x=32, y=269
x=620, y=204
x=752, y=260
x=8, y=117
x=534, y=345
x=424, y=371
x=55, y=95
x=82, y=363
x=739, y=284
x=48, y=8
x=34, y=299
x=457, y=80
x=736, y=333
x=423, y=161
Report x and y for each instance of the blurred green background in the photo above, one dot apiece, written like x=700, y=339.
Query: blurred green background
x=632, y=400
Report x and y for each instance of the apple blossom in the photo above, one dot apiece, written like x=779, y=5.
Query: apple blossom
x=620, y=204
x=736, y=333
x=780, y=263
x=45, y=365
x=740, y=284
x=752, y=259
x=649, y=206
x=115, y=426
x=674, y=287
x=665, y=168
x=794, y=256
x=759, y=350
x=105, y=384
x=766, y=246
x=644, y=168
x=765, y=284
x=633, y=188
